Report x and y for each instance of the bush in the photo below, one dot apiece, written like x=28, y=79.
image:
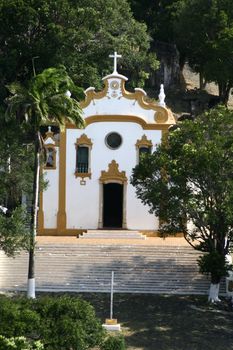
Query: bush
x=61, y=323
x=19, y=343
x=215, y=264
x=69, y=323
x=18, y=318
x=114, y=343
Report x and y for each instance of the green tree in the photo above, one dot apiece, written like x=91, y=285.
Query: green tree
x=14, y=232
x=158, y=16
x=78, y=34
x=43, y=101
x=16, y=165
x=204, y=31
x=188, y=183
x=16, y=175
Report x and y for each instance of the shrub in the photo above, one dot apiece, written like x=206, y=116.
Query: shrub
x=69, y=323
x=19, y=343
x=61, y=323
x=114, y=343
x=215, y=264
x=18, y=318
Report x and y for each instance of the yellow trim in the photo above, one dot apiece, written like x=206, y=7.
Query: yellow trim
x=82, y=175
x=61, y=214
x=113, y=174
x=162, y=115
x=121, y=118
x=92, y=95
x=144, y=142
x=83, y=140
x=56, y=232
x=50, y=134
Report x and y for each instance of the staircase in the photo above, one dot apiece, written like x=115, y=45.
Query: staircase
x=87, y=268
x=112, y=234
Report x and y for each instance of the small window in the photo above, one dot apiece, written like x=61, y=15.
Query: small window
x=50, y=158
x=83, y=147
x=82, y=162
x=144, y=150
x=143, y=146
x=113, y=140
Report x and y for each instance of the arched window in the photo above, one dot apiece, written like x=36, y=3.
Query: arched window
x=83, y=154
x=143, y=146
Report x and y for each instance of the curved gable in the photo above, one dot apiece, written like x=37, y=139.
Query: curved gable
x=115, y=103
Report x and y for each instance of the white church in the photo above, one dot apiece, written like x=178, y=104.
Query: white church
x=88, y=170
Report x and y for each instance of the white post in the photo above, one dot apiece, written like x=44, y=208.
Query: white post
x=111, y=323
x=111, y=301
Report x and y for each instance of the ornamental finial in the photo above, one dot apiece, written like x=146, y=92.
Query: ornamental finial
x=162, y=96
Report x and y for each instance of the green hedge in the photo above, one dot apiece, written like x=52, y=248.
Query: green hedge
x=60, y=323
x=114, y=343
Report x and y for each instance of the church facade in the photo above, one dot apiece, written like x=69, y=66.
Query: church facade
x=88, y=170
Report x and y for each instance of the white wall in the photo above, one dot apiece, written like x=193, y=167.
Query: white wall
x=50, y=195
x=82, y=202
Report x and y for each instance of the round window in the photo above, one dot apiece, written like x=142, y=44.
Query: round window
x=113, y=140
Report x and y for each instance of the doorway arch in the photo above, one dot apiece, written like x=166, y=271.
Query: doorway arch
x=112, y=207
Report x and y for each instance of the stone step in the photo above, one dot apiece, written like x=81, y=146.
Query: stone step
x=87, y=268
x=112, y=231
x=112, y=234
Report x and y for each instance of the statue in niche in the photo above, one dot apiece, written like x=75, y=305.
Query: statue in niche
x=50, y=158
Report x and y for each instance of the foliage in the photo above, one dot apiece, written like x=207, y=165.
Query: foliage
x=58, y=322
x=19, y=343
x=188, y=182
x=16, y=177
x=45, y=99
x=114, y=343
x=206, y=37
x=69, y=323
x=14, y=231
x=158, y=16
x=16, y=164
x=18, y=318
x=215, y=264
x=61, y=32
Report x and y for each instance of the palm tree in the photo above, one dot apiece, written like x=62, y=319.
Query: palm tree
x=45, y=101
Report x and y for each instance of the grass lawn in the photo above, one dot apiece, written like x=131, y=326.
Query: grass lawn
x=155, y=322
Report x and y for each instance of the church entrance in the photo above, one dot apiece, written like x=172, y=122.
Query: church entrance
x=112, y=205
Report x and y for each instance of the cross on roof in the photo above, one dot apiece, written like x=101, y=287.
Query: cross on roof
x=115, y=56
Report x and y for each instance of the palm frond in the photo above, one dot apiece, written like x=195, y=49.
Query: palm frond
x=45, y=100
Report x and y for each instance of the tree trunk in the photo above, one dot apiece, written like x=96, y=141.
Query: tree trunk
x=201, y=81
x=33, y=223
x=224, y=92
x=213, y=293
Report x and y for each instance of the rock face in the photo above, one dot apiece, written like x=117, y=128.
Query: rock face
x=169, y=70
